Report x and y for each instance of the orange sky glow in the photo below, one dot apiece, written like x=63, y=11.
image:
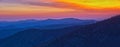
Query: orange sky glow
x=43, y=9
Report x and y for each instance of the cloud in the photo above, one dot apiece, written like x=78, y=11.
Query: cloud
x=50, y=3
x=25, y=1
x=94, y=4
x=14, y=8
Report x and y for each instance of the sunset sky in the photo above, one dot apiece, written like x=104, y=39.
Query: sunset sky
x=48, y=9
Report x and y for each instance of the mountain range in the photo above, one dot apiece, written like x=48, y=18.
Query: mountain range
x=8, y=28
x=39, y=23
x=105, y=33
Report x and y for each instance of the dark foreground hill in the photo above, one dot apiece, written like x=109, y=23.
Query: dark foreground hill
x=32, y=37
x=102, y=34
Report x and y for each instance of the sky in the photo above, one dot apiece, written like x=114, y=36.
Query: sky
x=55, y=9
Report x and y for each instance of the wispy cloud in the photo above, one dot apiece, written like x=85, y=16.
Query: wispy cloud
x=56, y=8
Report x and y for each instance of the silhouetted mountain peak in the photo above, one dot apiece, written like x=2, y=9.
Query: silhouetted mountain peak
x=113, y=21
x=70, y=19
x=116, y=18
x=65, y=19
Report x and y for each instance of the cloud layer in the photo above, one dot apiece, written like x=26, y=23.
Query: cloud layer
x=22, y=9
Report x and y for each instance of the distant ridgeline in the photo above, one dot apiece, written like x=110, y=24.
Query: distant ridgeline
x=8, y=28
x=105, y=33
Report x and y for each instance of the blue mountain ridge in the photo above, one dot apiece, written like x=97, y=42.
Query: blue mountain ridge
x=8, y=28
x=105, y=33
